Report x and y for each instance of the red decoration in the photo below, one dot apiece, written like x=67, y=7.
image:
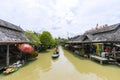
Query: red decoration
x=26, y=48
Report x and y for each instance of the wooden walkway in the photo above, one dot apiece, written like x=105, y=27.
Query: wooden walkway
x=101, y=59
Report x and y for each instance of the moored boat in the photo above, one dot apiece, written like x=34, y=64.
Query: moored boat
x=14, y=67
x=10, y=69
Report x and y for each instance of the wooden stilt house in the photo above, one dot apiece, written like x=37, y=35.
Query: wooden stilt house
x=100, y=38
x=10, y=34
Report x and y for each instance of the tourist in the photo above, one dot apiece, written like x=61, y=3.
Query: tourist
x=102, y=54
x=114, y=52
x=107, y=50
x=56, y=50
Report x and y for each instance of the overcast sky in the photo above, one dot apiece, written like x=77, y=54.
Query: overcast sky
x=62, y=18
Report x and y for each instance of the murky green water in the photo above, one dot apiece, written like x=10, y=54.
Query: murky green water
x=66, y=67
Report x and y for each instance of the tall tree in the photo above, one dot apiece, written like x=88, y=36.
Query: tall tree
x=46, y=39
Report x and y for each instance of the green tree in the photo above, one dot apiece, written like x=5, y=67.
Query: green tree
x=56, y=41
x=34, y=40
x=63, y=41
x=46, y=39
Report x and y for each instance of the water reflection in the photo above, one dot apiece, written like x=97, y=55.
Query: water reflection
x=45, y=62
x=93, y=69
x=56, y=59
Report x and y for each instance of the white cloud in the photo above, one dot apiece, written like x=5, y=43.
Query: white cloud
x=60, y=17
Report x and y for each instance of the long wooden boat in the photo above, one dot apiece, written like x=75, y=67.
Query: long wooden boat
x=55, y=55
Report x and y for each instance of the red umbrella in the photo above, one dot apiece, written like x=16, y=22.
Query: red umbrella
x=26, y=48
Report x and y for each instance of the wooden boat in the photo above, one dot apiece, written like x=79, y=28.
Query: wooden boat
x=14, y=67
x=55, y=55
x=10, y=69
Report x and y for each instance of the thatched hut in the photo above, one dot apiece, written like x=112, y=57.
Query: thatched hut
x=10, y=34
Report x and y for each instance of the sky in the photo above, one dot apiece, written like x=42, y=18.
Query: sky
x=62, y=18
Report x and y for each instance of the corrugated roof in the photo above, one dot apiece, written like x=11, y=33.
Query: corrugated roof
x=103, y=30
x=110, y=34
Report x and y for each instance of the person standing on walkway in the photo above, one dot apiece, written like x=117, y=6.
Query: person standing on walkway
x=114, y=52
x=107, y=52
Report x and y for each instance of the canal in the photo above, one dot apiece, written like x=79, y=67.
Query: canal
x=66, y=67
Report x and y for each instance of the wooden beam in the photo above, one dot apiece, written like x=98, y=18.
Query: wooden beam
x=7, y=58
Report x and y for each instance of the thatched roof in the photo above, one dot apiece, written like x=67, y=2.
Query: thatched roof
x=9, y=25
x=75, y=38
x=10, y=33
x=107, y=34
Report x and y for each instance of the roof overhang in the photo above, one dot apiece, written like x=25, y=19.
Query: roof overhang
x=14, y=42
x=80, y=42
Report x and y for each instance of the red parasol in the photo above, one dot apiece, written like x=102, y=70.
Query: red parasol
x=26, y=48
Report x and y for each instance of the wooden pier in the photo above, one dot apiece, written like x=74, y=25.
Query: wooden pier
x=101, y=59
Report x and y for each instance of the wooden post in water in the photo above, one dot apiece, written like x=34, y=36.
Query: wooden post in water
x=7, y=58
